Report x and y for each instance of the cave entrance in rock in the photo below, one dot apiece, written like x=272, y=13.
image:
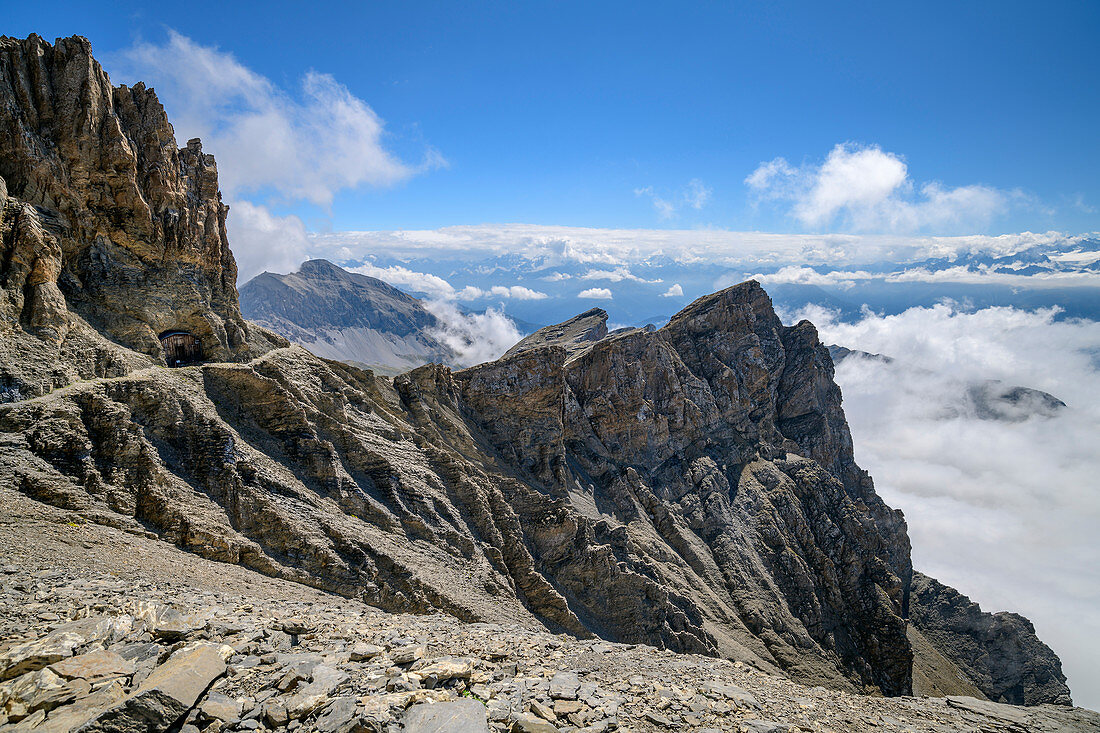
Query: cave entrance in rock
x=181, y=348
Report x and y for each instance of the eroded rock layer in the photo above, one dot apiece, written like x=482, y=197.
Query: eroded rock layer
x=106, y=216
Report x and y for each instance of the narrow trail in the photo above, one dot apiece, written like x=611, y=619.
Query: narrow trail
x=137, y=374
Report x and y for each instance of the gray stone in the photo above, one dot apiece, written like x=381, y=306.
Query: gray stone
x=166, y=694
x=407, y=654
x=337, y=717
x=531, y=724
x=221, y=707
x=739, y=697
x=275, y=714
x=310, y=697
x=459, y=716
x=564, y=685
x=37, y=653
x=762, y=726
x=362, y=652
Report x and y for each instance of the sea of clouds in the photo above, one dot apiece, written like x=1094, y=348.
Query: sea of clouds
x=1005, y=512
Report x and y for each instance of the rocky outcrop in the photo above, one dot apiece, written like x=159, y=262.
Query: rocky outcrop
x=342, y=315
x=998, y=652
x=103, y=215
x=573, y=335
x=690, y=488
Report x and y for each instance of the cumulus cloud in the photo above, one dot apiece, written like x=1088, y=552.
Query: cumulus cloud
x=475, y=337
x=273, y=145
x=1006, y=512
x=263, y=241
x=516, y=292
x=595, y=294
x=619, y=274
x=674, y=292
x=794, y=274
x=866, y=188
x=402, y=277
x=438, y=288
x=695, y=195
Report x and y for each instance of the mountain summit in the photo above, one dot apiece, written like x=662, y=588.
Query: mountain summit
x=346, y=316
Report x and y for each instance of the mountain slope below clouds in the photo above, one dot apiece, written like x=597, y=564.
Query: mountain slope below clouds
x=345, y=316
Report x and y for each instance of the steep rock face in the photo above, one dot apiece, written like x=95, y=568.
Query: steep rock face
x=127, y=230
x=998, y=652
x=342, y=315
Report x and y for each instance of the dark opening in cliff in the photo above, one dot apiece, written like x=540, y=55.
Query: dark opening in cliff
x=181, y=348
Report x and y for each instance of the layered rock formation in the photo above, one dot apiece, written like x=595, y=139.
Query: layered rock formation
x=691, y=488
x=342, y=315
x=104, y=218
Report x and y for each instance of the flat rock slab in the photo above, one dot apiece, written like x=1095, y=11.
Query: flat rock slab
x=1002, y=713
x=166, y=694
x=36, y=654
x=741, y=698
x=94, y=666
x=460, y=716
x=310, y=697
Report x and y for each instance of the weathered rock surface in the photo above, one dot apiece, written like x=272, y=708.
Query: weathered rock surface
x=342, y=315
x=574, y=335
x=104, y=219
x=998, y=652
x=509, y=678
x=690, y=488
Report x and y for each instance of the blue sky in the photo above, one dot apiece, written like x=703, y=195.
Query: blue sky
x=583, y=113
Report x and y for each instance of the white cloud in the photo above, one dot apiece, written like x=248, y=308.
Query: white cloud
x=868, y=189
x=516, y=292
x=556, y=246
x=264, y=241
x=1004, y=512
x=695, y=194
x=595, y=294
x=665, y=209
x=674, y=292
x=438, y=288
x=475, y=337
x=402, y=277
x=272, y=145
x=794, y=274
x=617, y=275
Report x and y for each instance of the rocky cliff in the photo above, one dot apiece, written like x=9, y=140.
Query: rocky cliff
x=342, y=315
x=105, y=220
x=998, y=652
x=690, y=488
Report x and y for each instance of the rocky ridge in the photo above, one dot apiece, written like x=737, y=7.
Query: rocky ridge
x=690, y=488
x=342, y=315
